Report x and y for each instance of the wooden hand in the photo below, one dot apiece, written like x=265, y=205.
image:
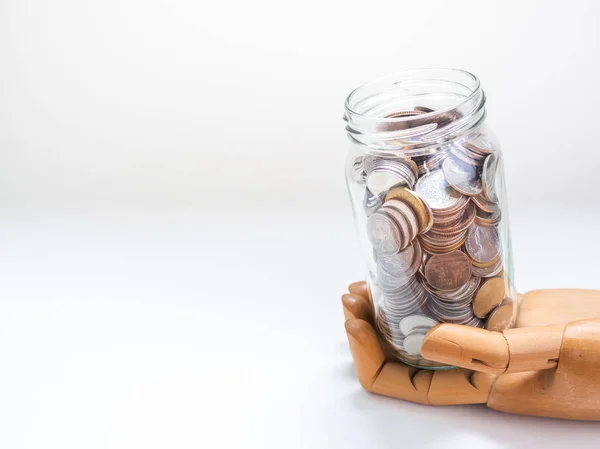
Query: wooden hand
x=548, y=366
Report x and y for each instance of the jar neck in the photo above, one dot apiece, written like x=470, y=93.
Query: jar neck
x=409, y=112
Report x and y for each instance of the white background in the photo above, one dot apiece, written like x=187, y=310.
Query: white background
x=175, y=232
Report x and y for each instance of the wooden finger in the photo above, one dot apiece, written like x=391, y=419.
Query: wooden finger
x=453, y=387
x=533, y=348
x=360, y=288
x=400, y=381
x=571, y=391
x=467, y=347
x=366, y=351
x=357, y=307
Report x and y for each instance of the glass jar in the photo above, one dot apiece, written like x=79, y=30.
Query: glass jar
x=426, y=181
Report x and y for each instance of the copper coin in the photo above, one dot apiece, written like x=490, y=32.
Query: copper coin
x=441, y=243
x=433, y=250
x=405, y=113
x=424, y=109
x=462, y=177
x=409, y=217
x=468, y=157
x=483, y=218
x=490, y=271
x=484, y=204
x=448, y=271
x=489, y=296
x=419, y=207
x=483, y=243
x=480, y=145
x=489, y=264
x=463, y=293
x=502, y=318
x=467, y=219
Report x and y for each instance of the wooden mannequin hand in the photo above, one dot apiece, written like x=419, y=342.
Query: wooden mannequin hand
x=548, y=366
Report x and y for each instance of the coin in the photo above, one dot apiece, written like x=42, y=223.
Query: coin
x=424, y=109
x=490, y=271
x=380, y=181
x=489, y=264
x=483, y=218
x=467, y=156
x=358, y=171
x=401, y=261
x=409, y=217
x=411, y=322
x=484, y=204
x=371, y=203
x=390, y=281
x=488, y=177
x=502, y=318
x=482, y=144
x=483, y=243
x=419, y=207
x=448, y=271
x=405, y=113
x=489, y=296
x=413, y=344
x=383, y=233
x=466, y=220
x=462, y=177
x=436, y=191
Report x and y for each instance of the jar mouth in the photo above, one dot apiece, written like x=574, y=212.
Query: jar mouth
x=414, y=107
x=445, y=75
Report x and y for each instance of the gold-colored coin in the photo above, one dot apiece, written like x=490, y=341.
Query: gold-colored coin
x=488, y=297
x=502, y=318
x=418, y=206
x=492, y=262
x=441, y=250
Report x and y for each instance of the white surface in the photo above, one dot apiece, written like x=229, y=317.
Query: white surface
x=183, y=330
x=175, y=230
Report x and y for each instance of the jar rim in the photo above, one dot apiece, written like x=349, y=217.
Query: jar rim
x=474, y=91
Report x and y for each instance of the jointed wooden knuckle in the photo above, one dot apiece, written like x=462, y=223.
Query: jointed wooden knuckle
x=467, y=347
x=453, y=387
x=399, y=381
x=534, y=348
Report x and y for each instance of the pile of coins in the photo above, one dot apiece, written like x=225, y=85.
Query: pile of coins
x=433, y=224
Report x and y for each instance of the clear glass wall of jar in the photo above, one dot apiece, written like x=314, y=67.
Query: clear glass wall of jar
x=426, y=181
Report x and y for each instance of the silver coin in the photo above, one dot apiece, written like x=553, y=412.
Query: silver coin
x=408, y=324
x=399, y=262
x=482, y=144
x=463, y=177
x=488, y=177
x=383, y=233
x=371, y=203
x=483, y=243
x=389, y=281
x=436, y=191
x=358, y=171
x=381, y=180
x=413, y=344
x=409, y=215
